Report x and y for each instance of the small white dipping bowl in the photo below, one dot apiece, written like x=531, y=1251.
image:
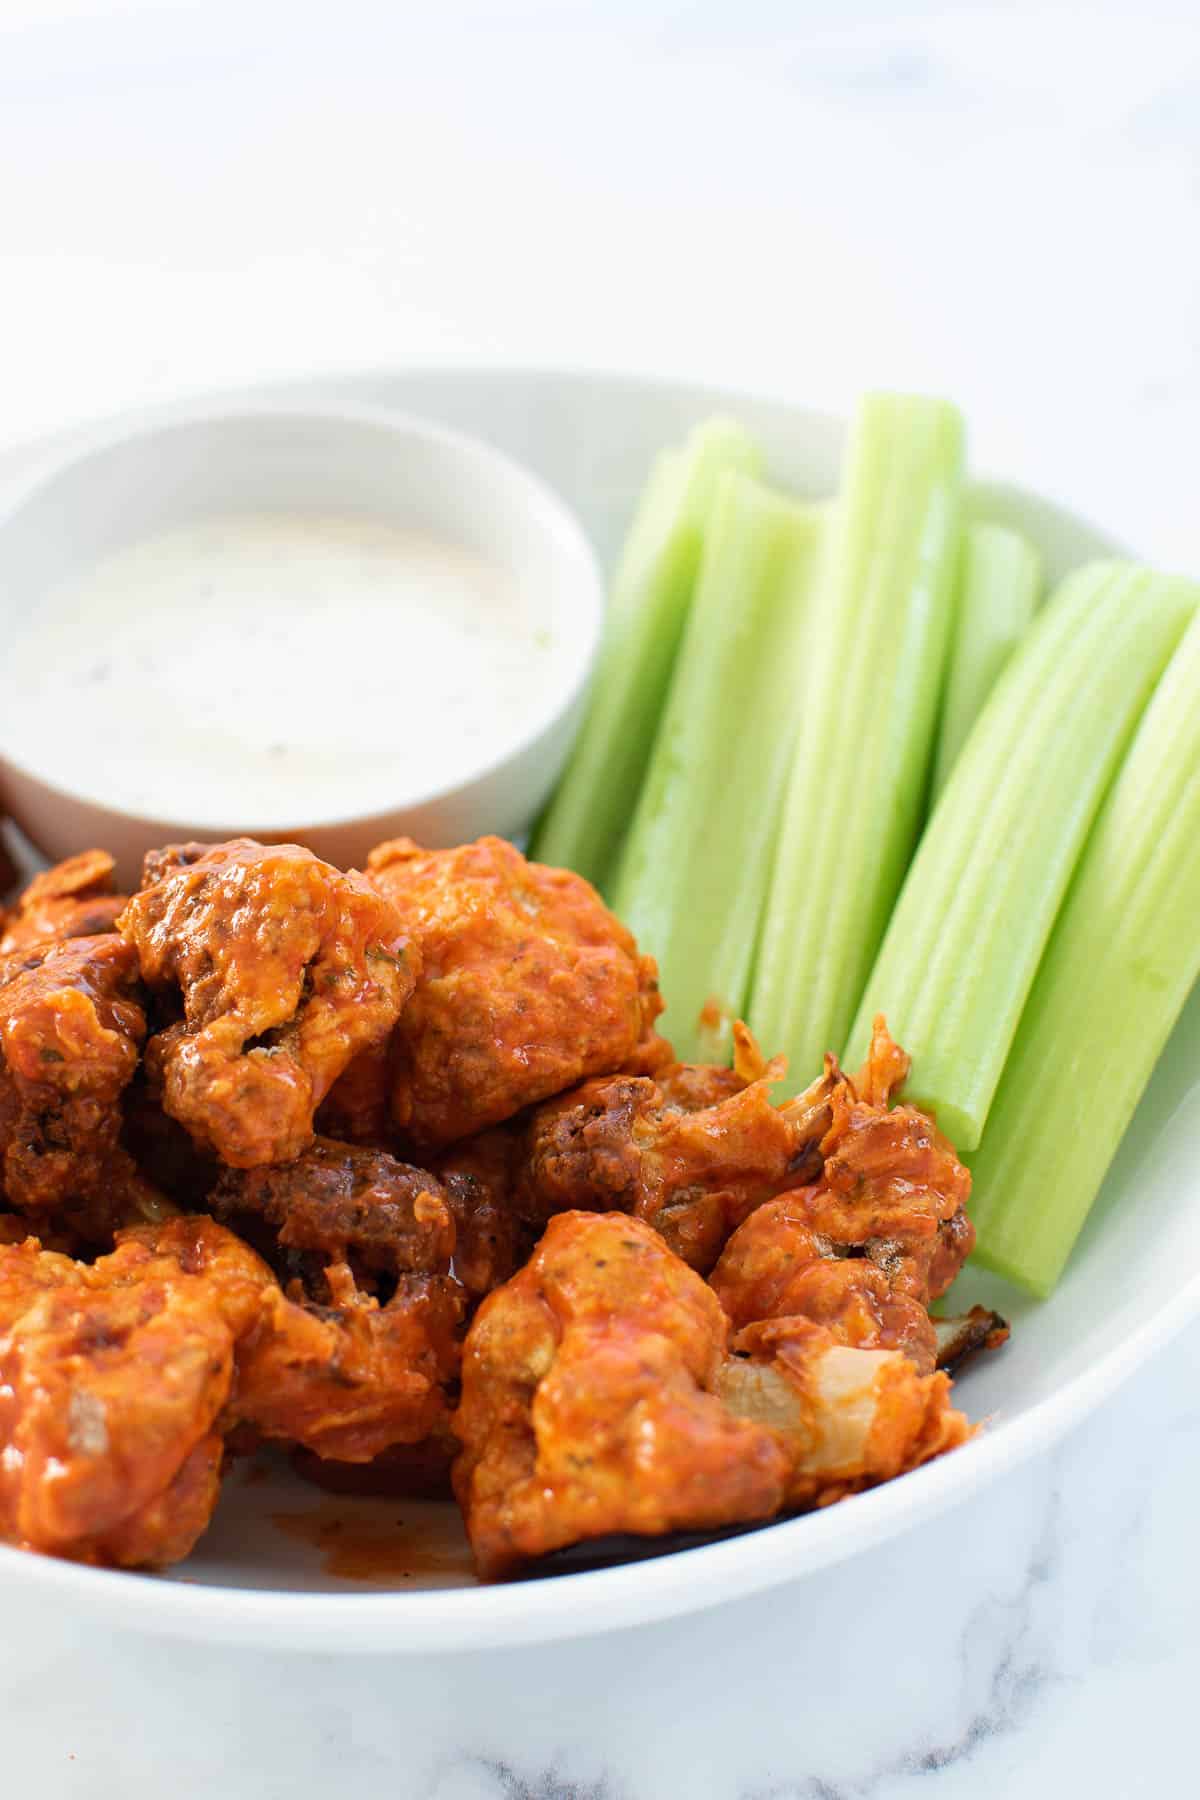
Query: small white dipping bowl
x=118, y=488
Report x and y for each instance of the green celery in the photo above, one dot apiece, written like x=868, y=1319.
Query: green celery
x=695, y=864
x=1001, y=575
x=585, y=819
x=984, y=888
x=1120, y=963
x=868, y=709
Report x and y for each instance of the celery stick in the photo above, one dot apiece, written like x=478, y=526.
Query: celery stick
x=867, y=706
x=984, y=888
x=690, y=880
x=1119, y=965
x=1001, y=574
x=652, y=590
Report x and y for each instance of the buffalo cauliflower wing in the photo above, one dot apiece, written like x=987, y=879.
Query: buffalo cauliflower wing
x=588, y=1406
x=283, y=970
x=527, y=984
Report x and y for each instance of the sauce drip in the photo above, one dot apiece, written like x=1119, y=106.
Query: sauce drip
x=387, y=1549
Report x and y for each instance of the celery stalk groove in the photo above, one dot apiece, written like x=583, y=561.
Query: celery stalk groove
x=868, y=707
x=964, y=942
x=690, y=879
x=582, y=826
x=1122, y=960
x=1001, y=573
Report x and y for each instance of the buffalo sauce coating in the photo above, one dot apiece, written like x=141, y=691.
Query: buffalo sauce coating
x=528, y=983
x=358, y=1542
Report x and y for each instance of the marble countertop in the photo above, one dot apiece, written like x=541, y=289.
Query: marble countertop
x=998, y=201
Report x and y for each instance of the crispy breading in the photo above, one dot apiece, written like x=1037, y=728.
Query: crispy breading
x=477, y=1175
x=528, y=984
x=846, y=1418
x=879, y=1234
x=120, y=1379
x=112, y=1379
x=343, y=1202
x=691, y=1152
x=285, y=970
x=587, y=1403
x=75, y=898
x=71, y=1027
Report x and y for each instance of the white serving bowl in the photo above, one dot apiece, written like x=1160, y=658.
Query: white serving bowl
x=1133, y=1281
x=122, y=484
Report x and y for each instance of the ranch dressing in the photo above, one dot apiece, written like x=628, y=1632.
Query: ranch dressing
x=272, y=668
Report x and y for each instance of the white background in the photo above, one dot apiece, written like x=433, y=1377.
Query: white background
x=996, y=201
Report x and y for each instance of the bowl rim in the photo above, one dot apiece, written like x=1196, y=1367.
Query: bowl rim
x=594, y=1602
x=590, y=1603
x=556, y=521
